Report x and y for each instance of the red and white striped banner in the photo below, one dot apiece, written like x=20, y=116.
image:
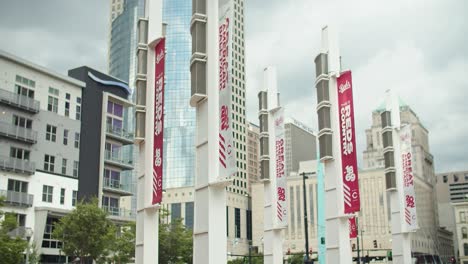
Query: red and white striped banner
x=353, y=229
x=158, y=122
x=408, y=179
x=349, y=167
x=227, y=151
x=280, y=172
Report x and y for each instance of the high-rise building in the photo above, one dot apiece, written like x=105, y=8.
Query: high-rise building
x=461, y=227
x=179, y=118
x=40, y=120
x=238, y=118
x=106, y=156
x=452, y=188
x=300, y=145
x=424, y=240
x=253, y=152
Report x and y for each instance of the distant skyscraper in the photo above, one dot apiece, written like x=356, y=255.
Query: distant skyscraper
x=301, y=145
x=179, y=119
x=253, y=150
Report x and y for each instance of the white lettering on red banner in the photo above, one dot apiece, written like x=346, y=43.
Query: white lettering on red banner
x=227, y=153
x=408, y=179
x=348, y=143
x=280, y=178
x=353, y=229
x=158, y=121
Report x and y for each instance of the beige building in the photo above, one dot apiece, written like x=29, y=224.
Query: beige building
x=253, y=155
x=424, y=241
x=461, y=226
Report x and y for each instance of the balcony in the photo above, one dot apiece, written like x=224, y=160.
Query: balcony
x=17, y=198
x=18, y=133
x=119, y=134
x=116, y=213
x=116, y=158
x=116, y=186
x=17, y=165
x=19, y=101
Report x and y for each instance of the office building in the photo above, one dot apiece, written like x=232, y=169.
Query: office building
x=301, y=144
x=452, y=188
x=106, y=156
x=40, y=115
x=424, y=241
x=253, y=152
x=461, y=227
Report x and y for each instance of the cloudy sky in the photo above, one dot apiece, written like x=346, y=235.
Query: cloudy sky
x=418, y=48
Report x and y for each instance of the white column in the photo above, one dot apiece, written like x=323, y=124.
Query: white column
x=272, y=237
x=337, y=227
x=210, y=240
x=401, y=240
x=147, y=246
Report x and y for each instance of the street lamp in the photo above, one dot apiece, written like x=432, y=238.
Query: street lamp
x=306, y=225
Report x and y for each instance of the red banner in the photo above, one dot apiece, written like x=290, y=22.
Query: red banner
x=353, y=229
x=158, y=122
x=348, y=143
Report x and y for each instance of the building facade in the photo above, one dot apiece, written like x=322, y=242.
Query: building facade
x=106, y=157
x=424, y=241
x=461, y=226
x=253, y=152
x=40, y=116
x=301, y=145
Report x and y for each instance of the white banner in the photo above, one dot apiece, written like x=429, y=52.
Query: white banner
x=227, y=151
x=408, y=179
x=280, y=165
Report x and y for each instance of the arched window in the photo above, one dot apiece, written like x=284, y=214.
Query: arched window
x=464, y=233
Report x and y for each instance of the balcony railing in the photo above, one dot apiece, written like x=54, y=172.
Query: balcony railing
x=17, y=198
x=119, y=133
x=118, y=158
x=118, y=212
x=17, y=165
x=18, y=133
x=116, y=185
x=20, y=101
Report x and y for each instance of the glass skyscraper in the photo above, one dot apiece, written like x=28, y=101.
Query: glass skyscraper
x=179, y=126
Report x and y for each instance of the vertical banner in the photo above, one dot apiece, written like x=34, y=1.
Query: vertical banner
x=408, y=179
x=349, y=167
x=353, y=229
x=158, y=121
x=227, y=152
x=280, y=179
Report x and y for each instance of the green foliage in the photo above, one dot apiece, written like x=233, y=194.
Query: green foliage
x=175, y=242
x=11, y=248
x=255, y=259
x=296, y=258
x=85, y=232
x=122, y=248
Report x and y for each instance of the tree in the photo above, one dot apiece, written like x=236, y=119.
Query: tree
x=85, y=232
x=11, y=248
x=122, y=247
x=175, y=242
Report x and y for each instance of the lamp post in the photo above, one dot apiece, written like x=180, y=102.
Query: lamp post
x=29, y=233
x=306, y=225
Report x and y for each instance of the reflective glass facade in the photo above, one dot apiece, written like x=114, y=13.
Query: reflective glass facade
x=179, y=126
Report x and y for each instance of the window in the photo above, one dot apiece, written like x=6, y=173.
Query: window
x=18, y=153
x=111, y=205
x=64, y=166
x=77, y=140
x=53, y=91
x=52, y=104
x=24, y=91
x=47, y=192
x=78, y=112
x=67, y=109
x=114, y=109
x=67, y=96
x=17, y=186
x=175, y=211
x=455, y=178
x=249, y=224
x=65, y=137
x=75, y=168
x=48, y=241
x=189, y=215
x=22, y=122
x=62, y=196
x=465, y=249
x=25, y=81
x=464, y=233
x=74, y=198
x=462, y=217
x=237, y=222
x=445, y=178
x=51, y=133
x=49, y=163
x=23, y=86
